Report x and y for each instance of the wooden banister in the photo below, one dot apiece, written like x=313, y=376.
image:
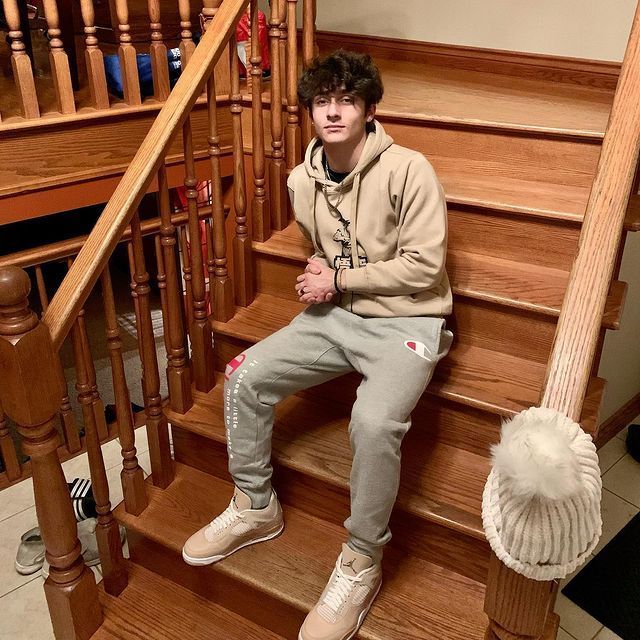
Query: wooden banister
x=580, y=318
x=511, y=598
x=93, y=257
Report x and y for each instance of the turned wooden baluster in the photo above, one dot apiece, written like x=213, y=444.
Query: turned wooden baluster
x=200, y=329
x=187, y=45
x=67, y=417
x=161, y=279
x=107, y=533
x=260, y=204
x=277, y=180
x=127, y=56
x=282, y=12
x=242, y=260
x=30, y=395
x=20, y=62
x=293, y=147
x=94, y=59
x=183, y=243
x=131, y=476
x=308, y=36
x=220, y=285
x=8, y=450
x=157, y=427
x=88, y=391
x=158, y=51
x=59, y=60
x=222, y=74
x=178, y=371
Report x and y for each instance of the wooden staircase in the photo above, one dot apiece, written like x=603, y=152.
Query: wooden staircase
x=516, y=193
x=517, y=143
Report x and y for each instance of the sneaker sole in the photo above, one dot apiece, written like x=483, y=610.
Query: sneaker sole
x=27, y=570
x=199, y=562
x=361, y=618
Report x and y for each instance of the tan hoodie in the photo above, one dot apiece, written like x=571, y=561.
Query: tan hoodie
x=397, y=218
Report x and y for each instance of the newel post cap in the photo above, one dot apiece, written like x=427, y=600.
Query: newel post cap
x=31, y=389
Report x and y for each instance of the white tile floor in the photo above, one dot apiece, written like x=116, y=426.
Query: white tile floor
x=24, y=610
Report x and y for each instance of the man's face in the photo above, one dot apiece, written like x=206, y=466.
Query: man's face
x=340, y=117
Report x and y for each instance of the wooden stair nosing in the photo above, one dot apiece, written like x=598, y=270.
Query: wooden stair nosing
x=294, y=567
x=268, y=314
x=154, y=608
x=550, y=282
x=459, y=122
x=298, y=451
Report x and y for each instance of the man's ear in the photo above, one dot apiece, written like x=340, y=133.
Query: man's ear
x=371, y=113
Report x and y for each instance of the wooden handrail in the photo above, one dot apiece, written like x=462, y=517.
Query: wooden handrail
x=580, y=320
x=91, y=260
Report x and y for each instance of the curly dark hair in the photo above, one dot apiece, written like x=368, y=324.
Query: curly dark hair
x=354, y=72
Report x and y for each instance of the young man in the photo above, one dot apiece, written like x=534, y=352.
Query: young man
x=377, y=292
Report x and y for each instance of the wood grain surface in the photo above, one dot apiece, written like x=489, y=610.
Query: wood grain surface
x=274, y=568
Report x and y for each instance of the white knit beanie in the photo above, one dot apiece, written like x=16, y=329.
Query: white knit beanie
x=541, y=503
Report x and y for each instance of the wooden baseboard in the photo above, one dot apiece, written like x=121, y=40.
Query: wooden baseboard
x=618, y=421
x=595, y=73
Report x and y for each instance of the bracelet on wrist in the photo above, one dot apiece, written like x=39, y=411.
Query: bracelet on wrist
x=336, y=277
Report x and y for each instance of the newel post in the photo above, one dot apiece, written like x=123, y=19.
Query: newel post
x=30, y=394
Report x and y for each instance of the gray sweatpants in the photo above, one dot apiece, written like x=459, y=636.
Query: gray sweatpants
x=396, y=357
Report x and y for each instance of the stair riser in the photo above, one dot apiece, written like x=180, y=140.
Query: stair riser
x=479, y=154
x=486, y=154
x=474, y=322
x=521, y=238
x=431, y=541
x=241, y=598
x=503, y=324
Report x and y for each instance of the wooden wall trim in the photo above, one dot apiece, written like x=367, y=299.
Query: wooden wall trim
x=65, y=197
x=618, y=421
x=596, y=73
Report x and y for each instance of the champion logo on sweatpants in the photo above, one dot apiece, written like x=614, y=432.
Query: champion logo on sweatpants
x=419, y=348
x=233, y=365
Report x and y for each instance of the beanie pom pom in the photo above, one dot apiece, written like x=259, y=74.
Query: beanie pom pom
x=536, y=455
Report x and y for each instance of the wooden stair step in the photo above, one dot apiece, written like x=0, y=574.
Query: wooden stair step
x=482, y=378
x=521, y=285
x=440, y=483
x=516, y=284
x=291, y=570
x=154, y=608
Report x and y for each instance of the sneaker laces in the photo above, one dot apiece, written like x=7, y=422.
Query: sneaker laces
x=340, y=589
x=227, y=517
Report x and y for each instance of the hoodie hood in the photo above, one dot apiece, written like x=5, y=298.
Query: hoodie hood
x=377, y=142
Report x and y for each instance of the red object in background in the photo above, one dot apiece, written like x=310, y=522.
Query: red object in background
x=243, y=33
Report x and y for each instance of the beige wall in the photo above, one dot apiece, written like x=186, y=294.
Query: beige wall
x=620, y=364
x=581, y=28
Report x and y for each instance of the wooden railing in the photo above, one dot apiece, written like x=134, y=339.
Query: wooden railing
x=519, y=608
x=67, y=83
x=193, y=279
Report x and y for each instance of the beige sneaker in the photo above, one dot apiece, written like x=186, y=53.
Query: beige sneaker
x=346, y=599
x=237, y=526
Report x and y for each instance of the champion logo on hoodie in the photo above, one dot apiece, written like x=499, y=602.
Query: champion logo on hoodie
x=419, y=348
